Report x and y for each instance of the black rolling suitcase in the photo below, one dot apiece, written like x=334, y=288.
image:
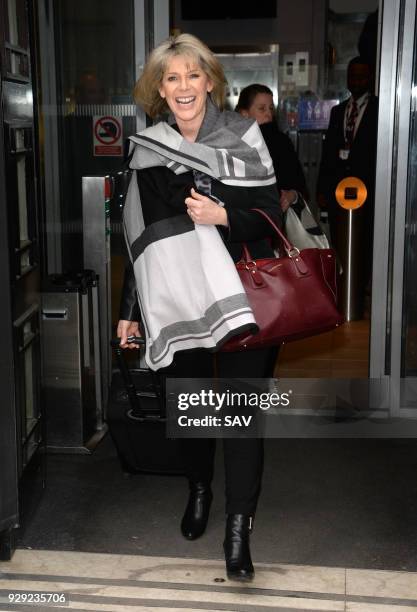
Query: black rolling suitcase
x=136, y=420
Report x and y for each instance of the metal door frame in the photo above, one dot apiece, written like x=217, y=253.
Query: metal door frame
x=397, y=48
x=151, y=28
x=9, y=500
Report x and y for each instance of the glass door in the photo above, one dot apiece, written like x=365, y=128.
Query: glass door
x=394, y=315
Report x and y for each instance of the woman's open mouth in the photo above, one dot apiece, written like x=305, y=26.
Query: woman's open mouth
x=185, y=100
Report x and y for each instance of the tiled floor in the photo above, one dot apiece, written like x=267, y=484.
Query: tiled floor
x=127, y=582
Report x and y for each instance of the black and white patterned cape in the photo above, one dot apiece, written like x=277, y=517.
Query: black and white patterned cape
x=189, y=292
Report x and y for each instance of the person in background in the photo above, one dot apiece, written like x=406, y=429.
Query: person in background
x=349, y=149
x=183, y=77
x=256, y=102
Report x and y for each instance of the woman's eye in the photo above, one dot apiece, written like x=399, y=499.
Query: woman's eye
x=194, y=75
x=171, y=78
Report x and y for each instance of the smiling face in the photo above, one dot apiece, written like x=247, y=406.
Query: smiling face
x=262, y=108
x=185, y=86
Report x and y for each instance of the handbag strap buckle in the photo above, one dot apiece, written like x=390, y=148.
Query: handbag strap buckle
x=251, y=266
x=293, y=252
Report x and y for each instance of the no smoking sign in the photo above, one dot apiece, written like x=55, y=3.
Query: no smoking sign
x=107, y=136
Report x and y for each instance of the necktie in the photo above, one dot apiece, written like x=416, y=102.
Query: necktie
x=351, y=122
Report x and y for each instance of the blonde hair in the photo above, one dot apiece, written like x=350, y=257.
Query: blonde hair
x=146, y=92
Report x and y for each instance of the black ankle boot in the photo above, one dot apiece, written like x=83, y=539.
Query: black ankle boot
x=196, y=514
x=236, y=548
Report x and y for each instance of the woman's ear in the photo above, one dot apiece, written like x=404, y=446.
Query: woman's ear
x=210, y=86
x=161, y=91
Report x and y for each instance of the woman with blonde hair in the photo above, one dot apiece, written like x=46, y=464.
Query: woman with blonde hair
x=199, y=172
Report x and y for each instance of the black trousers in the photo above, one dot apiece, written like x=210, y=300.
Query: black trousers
x=243, y=457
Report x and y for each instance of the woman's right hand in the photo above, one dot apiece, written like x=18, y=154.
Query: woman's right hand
x=125, y=329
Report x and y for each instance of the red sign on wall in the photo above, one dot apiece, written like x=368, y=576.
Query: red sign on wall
x=107, y=136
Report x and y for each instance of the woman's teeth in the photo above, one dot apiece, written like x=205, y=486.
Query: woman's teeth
x=185, y=100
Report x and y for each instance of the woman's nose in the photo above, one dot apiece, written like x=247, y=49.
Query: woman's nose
x=184, y=83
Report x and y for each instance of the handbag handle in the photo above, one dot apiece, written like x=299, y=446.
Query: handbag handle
x=291, y=250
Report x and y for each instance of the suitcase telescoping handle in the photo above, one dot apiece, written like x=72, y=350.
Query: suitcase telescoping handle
x=124, y=370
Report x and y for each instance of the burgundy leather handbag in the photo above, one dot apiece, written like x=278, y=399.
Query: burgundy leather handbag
x=292, y=297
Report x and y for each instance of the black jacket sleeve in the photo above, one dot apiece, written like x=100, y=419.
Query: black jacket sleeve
x=287, y=166
x=246, y=225
x=129, y=307
x=291, y=175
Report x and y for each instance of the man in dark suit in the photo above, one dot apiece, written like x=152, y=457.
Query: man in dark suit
x=350, y=150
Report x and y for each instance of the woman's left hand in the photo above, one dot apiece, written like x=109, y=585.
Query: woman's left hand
x=204, y=211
